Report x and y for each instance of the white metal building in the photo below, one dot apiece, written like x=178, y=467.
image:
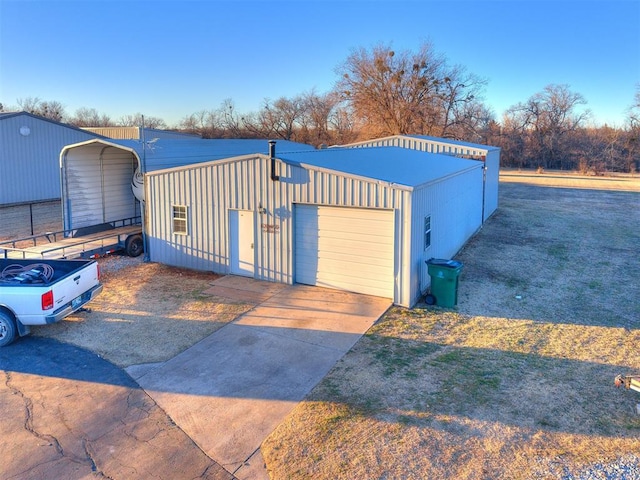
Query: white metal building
x=487, y=154
x=29, y=156
x=358, y=219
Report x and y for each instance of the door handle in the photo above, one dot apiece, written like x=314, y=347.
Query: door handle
x=252, y=246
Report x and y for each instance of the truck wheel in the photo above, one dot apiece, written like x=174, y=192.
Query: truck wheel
x=7, y=329
x=133, y=246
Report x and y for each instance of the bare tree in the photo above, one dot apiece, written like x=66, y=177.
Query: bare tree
x=403, y=92
x=393, y=93
x=547, y=118
x=90, y=117
x=315, y=121
x=459, y=93
x=279, y=119
x=53, y=110
x=137, y=121
x=631, y=149
x=205, y=123
x=633, y=113
x=230, y=120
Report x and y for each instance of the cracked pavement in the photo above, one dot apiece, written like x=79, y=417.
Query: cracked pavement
x=67, y=413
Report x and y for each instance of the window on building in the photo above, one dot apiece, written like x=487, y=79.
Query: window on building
x=427, y=231
x=180, y=226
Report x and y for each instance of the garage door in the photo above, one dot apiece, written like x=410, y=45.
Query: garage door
x=345, y=248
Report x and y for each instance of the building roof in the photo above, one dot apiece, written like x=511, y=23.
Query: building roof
x=169, y=153
x=395, y=165
x=136, y=133
x=453, y=142
x=7, y=115
x=438, y=140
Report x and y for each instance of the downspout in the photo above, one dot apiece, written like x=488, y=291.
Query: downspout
x=143, y=170
x=484, y=186
x=272, y=157
x=64, y=200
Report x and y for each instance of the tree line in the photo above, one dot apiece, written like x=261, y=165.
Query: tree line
x=381, y=92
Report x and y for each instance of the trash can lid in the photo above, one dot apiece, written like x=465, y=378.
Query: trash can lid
x=442, y=262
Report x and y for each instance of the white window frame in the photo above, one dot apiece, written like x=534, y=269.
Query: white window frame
x=179, y=219
x=427, y=232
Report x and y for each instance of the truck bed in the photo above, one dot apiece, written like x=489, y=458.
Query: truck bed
x=58, y=269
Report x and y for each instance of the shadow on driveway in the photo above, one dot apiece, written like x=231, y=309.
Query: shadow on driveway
x=67, y=413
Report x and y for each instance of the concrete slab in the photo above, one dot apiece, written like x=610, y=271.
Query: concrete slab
x=229, y=391
x=243, y=289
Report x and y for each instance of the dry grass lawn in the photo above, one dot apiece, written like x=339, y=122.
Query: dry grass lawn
x=517, y=381
x=147, y=313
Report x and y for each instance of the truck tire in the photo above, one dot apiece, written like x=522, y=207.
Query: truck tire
x=133, y=246
x=8, y=329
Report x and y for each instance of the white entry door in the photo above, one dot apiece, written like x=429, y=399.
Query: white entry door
x=242, y=242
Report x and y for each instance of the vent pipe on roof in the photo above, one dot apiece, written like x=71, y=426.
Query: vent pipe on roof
x=272, y=156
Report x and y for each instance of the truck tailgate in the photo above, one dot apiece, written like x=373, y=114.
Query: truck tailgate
x=73, y=291
x=74, y=283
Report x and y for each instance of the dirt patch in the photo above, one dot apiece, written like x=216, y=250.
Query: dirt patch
x=147, y=312
x=517, y=381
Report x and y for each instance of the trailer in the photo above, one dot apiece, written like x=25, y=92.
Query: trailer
x=630, y=382
x=87, y=242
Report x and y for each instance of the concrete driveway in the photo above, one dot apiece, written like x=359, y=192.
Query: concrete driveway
x=67, y=413
x=231, y=390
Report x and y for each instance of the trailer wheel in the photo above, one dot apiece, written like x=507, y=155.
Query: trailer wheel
x=8, y=329
x=133, y=246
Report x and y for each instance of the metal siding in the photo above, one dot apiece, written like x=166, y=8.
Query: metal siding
x=117, y=171
x=30, y=165
x=82, y=201
x=245, y=184
x=492, y=160
x=454, y=203
x=97, y=186
x=347, y=248
x=455, y=207
x=492, y=181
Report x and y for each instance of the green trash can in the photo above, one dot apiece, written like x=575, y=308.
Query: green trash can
x=444, y=282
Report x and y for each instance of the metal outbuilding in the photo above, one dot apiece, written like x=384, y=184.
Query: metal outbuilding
x=140, y=133
x=490, y=156
x=97, y=175
x=358, y=219
x=29, y=156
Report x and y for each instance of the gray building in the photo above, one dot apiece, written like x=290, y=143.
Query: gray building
x=30, y=172
x=30, y=156
x=490, y=156
x=359, y=219
x=363, y=220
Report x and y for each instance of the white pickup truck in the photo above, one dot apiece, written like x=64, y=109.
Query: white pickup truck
x=40, y=292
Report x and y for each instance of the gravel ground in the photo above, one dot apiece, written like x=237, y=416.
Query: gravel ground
x=625, y=468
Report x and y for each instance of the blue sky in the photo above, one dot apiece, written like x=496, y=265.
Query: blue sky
x=172, y=58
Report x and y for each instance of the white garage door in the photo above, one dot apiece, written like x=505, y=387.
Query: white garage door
x=345, y=248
